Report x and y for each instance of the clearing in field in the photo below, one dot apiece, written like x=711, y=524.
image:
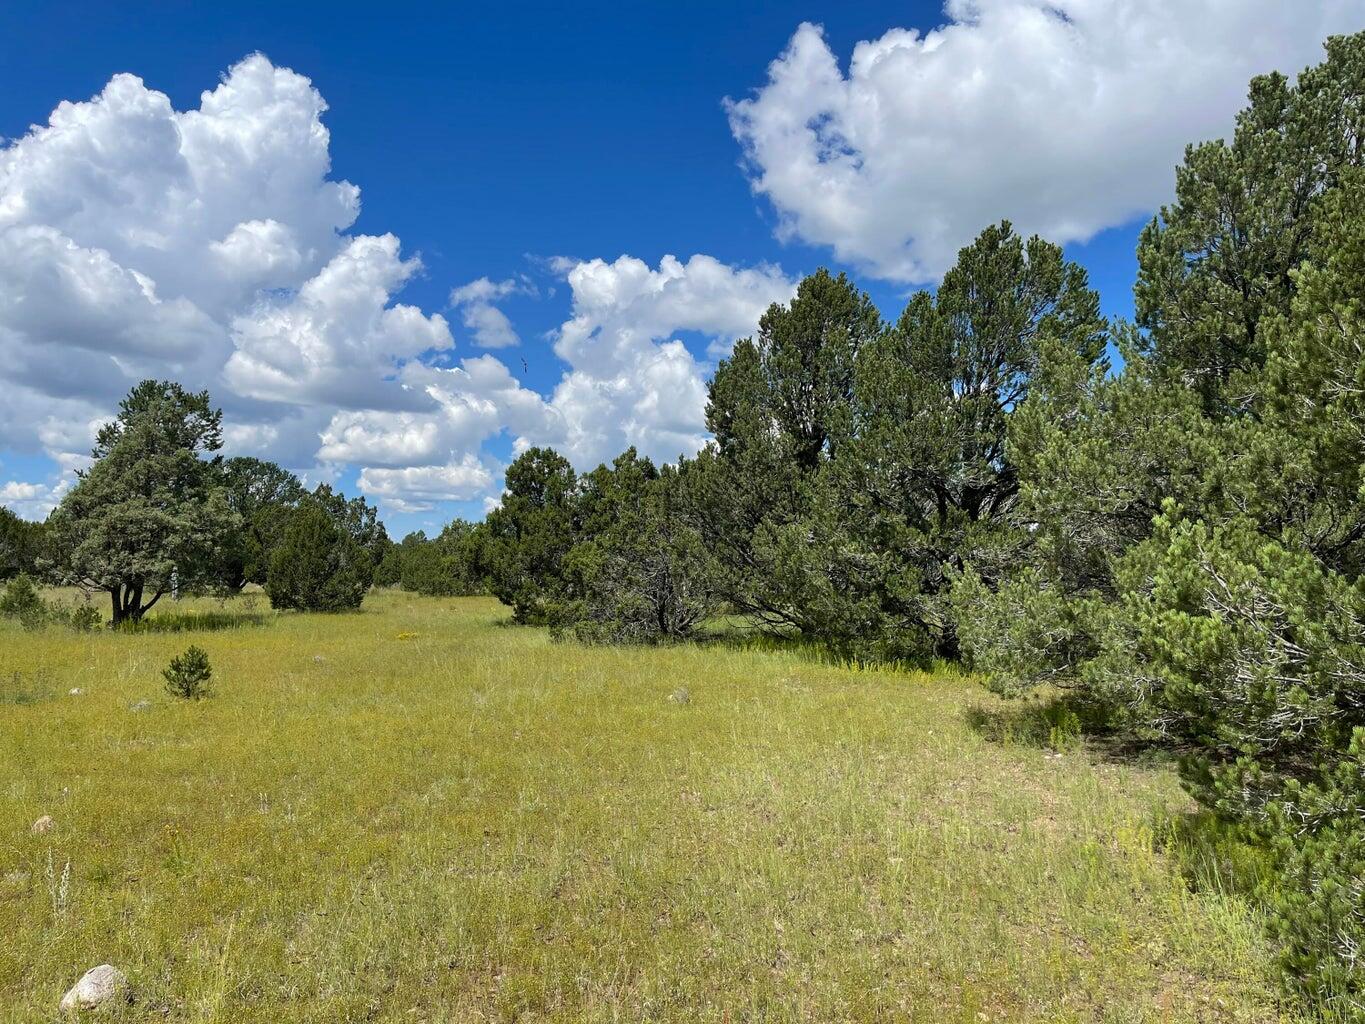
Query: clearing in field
x=418, y=813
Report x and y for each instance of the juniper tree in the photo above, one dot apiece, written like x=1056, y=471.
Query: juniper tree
x=318, y=565
x=523, y=547
x=150, y=509
x=262, y=495
x=645, y=574
x=924, y=481
x=779, y=408
x=21, y=544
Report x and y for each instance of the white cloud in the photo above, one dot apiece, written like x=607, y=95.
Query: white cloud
x=488, y=324
x=1065, y=116
x=205, y=245
x=416, y=488
x=32, y=500
x=335, y=340
x=211, y=246
x=630, y=381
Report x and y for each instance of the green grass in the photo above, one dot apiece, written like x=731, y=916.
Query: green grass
x=473, y=823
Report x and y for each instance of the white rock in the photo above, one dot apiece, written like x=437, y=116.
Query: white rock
x=75, y=691
x=42, y=825
x=99, y=985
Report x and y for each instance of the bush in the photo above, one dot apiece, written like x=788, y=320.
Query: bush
x=83, y=618
x=318, y=566
x=20, y=600
x=188, y=674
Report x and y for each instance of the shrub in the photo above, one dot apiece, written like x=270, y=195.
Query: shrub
x=318, y=566
x=83, y=618
x=21, y=600
x=188, y=674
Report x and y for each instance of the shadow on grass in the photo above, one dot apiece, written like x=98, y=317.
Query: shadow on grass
x=194, y=622
x=818, y=652
x=1060, y=722
x=1214, y=856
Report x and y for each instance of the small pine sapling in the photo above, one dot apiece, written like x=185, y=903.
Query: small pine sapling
x=189, y=674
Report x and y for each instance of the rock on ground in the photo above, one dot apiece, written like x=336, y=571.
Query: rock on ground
x=98, y=986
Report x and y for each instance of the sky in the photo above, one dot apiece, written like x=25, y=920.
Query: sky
x=399, y=244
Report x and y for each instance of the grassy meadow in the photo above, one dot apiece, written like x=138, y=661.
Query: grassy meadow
x=419, y=814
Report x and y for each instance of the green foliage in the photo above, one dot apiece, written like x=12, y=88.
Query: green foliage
x=262, y=495
x=389, y=571
x=82, y=618
x=1216, y=264
x=21, y=545
x=528, y=537
x=925, y=483
x=150, y=514
x=444, y=567
x=188, y=674
x=319, y=565
x=647, y=577
x=21, y=601
x=779, y=407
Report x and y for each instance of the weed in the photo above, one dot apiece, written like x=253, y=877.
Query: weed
x=58, y=887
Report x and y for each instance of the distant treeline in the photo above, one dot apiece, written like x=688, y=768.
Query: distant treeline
x=159, y=512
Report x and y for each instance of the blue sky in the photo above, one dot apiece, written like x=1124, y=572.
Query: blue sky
x=517, y=142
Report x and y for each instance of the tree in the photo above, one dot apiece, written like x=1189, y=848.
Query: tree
x=779, y=408
x=1217, y=262
x=318, y=565
x=150, y=513
x=647, y=576
x=925, y=481
x=441, y=567
x=358, y=518
x=527, y=538
x=21, y=545
x=262, y=495
x=389, y=571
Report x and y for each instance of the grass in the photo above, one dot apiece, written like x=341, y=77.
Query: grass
x=414, y=815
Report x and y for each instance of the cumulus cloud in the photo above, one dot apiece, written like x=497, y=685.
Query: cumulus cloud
x=417, y=488
x=212, y=246
x=32, y=500
x=487, y=324
x=1065, y=116
x=631, y=382
x=206, y=245
x=334, y=340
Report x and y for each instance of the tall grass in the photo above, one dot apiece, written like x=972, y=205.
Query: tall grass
x=472, y=823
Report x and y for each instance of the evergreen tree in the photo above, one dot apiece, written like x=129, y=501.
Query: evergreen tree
x=262, y=495
x=21, y=545
x=150, y=512
x=319, y=565
x=779, y=408
x=924, y=481
x=647, y=576
x=527, y=538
